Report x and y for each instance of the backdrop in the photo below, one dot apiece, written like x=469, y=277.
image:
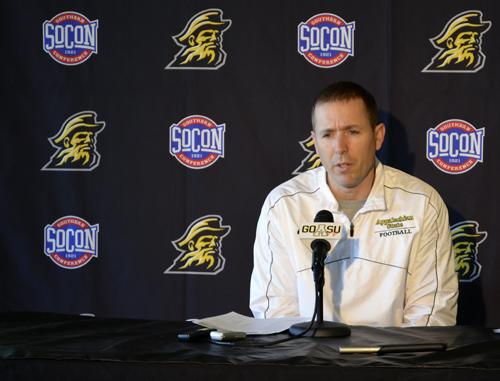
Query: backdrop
x=139, y=139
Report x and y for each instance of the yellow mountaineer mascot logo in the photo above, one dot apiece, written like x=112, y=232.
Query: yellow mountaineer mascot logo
x=200, y=247
x=201, y=42
x=466, y=238
x=459, y=44
x=312, y=159
x=76, y=144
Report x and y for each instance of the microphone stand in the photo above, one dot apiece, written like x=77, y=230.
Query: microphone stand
x=320, y=328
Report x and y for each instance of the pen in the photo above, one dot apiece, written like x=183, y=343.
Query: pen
x=395, y=348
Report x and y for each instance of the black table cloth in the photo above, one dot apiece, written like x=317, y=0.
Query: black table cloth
x=38, y=346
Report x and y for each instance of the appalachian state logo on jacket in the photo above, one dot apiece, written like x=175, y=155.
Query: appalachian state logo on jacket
x=459, y=44
x=75, y=144
x=311, y=160
x=466, y=238
x=200, y=247
x=201, y=42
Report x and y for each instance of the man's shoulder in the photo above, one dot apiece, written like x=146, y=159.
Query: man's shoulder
x=397, y=179
x=306, y=183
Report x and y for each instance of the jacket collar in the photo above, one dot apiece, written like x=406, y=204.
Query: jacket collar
x=376, y=198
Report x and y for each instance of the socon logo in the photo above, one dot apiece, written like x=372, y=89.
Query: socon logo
x=459, y=45
x=70, y=38
x=197, y=141
x=455, y=146
x=201, y=42
x=466, y=238
x=326, y=40
x=200, y=247
x=75, y=144
x=71, y=242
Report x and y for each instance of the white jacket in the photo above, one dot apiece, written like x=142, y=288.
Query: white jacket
x=397, y=268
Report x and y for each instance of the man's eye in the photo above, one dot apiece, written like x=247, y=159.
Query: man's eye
x=353, y=132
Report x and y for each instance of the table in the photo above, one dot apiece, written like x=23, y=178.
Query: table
x=37, y=346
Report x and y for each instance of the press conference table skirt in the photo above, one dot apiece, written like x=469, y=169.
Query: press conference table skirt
x=39, y=346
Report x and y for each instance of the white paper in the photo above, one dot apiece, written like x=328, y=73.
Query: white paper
x=235, y=322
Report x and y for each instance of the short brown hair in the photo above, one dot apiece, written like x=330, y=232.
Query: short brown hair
x=345, y=91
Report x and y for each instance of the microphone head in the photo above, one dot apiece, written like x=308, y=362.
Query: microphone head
x=324, y=216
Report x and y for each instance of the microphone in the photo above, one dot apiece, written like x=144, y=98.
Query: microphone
x=320, y=248
x=321, y=245
x=320, y=235
x=324, y=216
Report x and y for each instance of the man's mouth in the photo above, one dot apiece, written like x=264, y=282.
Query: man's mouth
x=343, y=165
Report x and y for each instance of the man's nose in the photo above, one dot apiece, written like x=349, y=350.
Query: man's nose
x=340, y=143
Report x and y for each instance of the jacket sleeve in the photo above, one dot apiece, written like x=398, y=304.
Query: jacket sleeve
x=432, y=283
x=273, y=283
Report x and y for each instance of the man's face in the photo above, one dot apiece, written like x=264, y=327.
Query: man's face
x=466, y=40
x=207, y=38
x=82, y=140
x=346, y=144
x=207, y=244
x=465, y=248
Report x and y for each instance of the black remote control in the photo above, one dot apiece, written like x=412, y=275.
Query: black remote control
x=193, y=334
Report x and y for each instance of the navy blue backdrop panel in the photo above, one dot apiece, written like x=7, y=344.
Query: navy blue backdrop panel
x=139, y=139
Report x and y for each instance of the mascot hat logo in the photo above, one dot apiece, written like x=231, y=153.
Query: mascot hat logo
x=201, y=42
x=466, y=238
x=459, y=44
x=200, y=247
x=76, y=144
x=311, y=160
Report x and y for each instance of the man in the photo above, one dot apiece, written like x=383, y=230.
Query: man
x=394, y=264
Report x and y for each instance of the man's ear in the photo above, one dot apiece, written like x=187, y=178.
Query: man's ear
x=379, y=131
x=313, y=137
